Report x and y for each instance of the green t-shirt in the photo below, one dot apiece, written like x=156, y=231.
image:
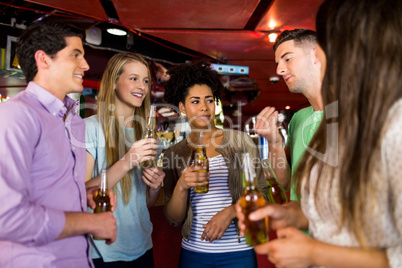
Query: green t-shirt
x=301, y=130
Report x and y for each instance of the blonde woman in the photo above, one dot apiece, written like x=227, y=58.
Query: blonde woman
x=113, y=141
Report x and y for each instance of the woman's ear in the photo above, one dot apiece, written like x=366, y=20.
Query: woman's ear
x=182, y=108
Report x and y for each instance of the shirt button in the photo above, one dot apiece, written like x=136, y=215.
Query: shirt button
x=54, y=113
x=75, y=174
x=311, y=130
x=315, y=118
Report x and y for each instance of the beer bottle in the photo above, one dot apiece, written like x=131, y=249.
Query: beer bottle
x=102, y=199
x=201, y=161
x=150, y=132
x=276, y=193
x=256, y=232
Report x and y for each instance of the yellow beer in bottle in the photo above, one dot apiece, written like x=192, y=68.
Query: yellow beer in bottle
x=276, y=193
x=201, y=161
x=256, y=232
x=102, y=199
x=150, y=132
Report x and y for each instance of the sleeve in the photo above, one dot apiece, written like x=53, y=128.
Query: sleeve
x=170, y=180
x=392, y=153
x=21, y=219
x=290, y=132
x=92, y=129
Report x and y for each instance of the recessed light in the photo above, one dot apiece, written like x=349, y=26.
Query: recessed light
x=116, y=31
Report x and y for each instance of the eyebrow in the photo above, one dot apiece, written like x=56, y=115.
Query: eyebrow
x=78, y=50
x=194, y=97
x=284, y=55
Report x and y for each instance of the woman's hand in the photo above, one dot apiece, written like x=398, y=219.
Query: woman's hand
x=218, y=224
x=153, y=177
x=191, y=178
x=280, y=216
x=292, y=249
x=140, y=151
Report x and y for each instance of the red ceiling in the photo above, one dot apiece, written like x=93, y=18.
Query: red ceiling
x=215, y=28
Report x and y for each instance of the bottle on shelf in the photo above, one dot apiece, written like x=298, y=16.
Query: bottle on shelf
x=150, y=132
x=256, y=232
x=201, y=161
x=276, y=193
x=102, y=199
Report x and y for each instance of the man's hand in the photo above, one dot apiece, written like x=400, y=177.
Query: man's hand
x=93, y=191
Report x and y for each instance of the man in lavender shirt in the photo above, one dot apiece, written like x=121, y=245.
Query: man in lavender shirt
x=43, y=200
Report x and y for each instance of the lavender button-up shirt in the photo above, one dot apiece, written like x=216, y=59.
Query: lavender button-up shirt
x=42, y=169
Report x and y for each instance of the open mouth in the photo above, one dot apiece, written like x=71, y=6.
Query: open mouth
x=78, y=76
x=138, y=95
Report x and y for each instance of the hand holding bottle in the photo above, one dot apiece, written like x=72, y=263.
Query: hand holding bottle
x=141, y=151
x=191, y=178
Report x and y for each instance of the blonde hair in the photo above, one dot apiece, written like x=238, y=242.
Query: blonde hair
x=115, y=144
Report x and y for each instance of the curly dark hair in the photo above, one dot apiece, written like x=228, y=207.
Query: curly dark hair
x=46, y=36
x=185, y=76
x=298, y=35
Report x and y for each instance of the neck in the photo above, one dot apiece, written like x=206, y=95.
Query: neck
x=52, y=89
x=125, y=114
x=315, y=98
x=207, y=134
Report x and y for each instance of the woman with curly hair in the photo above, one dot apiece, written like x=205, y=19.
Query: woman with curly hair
x=210, y=234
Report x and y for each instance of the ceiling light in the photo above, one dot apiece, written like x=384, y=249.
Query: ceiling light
x=272, y=37
x=287, y=107
x=116, y=31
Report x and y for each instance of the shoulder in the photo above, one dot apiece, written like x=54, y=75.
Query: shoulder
x=179, y=148
x=91, y=121
x=19, y=110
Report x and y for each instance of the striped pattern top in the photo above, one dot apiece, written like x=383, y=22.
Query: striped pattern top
x=205, y=206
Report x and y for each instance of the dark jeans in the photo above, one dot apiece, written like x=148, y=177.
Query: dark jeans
x=145, y=261
x=237, y=259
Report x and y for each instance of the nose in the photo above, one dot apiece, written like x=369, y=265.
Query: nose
x=280, y=69
x=84, y=65
x=204, y=106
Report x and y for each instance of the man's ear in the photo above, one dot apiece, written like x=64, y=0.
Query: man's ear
x=42, y=59
x=181, y=107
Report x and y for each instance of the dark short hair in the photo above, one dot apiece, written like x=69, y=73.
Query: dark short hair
x=46, y=36
x=185, y=76
x=298, y=35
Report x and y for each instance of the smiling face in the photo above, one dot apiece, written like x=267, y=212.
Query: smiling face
x=296, y=65
x=67, y=68
x=199, y=107
x=132, y=86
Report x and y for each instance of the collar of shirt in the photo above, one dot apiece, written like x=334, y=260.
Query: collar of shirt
x=52, y=104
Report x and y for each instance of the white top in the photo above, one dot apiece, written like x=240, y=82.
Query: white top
x=205, y=206
x=384, y=220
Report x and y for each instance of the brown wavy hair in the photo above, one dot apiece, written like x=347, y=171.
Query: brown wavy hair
x=362, y=42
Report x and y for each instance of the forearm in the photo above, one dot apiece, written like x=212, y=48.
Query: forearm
x=324, y=254
x=277, y=157
x=77, y=223
x=152, y=196
x=114, y=174
x=176, y=209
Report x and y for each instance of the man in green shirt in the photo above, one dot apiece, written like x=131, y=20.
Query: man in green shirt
x=300, y=61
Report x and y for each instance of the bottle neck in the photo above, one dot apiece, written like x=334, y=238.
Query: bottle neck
x=103, y=182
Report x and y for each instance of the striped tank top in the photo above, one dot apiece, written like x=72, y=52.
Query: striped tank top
x=205, y=206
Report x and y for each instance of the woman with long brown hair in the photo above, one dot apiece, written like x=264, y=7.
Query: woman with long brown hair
x=349, y=180
x=113, y=141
